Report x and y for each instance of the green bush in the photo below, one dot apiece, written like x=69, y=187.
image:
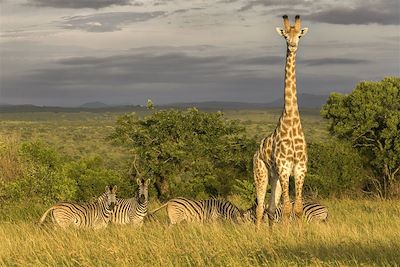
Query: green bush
x=335, y=169
x=41, y=176
x=91, y=177
x=187, y=152
x=44, y=177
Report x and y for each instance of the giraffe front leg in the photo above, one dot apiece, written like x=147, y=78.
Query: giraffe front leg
x=261, y=181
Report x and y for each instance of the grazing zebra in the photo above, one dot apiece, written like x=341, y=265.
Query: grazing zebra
x=132, y=210
x=95, y=215
x=182, y=209
x=312, y=212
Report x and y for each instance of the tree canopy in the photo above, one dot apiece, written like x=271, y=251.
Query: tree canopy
x=188, y=152
x=369, y=118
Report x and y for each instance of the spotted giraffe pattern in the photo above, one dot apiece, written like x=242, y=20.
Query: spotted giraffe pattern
x=283, y=153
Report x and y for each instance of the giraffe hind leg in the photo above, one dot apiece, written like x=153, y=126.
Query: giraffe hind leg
x=261, y=181
x=276, y=192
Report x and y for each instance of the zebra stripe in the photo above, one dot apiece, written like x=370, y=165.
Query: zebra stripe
x=95, y=215
x=312, y=212
x=132, y=210
x=208, y=210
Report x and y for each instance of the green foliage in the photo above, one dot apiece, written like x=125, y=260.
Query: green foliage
x=91, y=178
x=41, y=176
x=45, y=178
x=369, y=118
x=188, y=152
x=335, y=169
x=246, y=190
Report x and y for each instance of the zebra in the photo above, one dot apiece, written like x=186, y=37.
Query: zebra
x=132, y=210
x=94, y=215
x=183, y=209
x=312, y=212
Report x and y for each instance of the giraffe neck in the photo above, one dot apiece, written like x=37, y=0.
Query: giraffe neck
x=290, y=106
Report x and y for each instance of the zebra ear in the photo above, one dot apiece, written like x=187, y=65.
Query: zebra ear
x=108, y=188
x=114, y=189
x=147, y=182
x=138, y=181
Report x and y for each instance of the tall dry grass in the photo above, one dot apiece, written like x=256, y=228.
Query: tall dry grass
x=358, y=233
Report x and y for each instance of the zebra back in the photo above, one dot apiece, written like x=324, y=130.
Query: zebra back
x=311, y=212
x=221, y=209
x=132, y=210
x=315, y=212
x=95, y=215
x=183, y=209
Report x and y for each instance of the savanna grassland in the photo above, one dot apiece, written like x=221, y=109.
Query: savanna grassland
x=360, y=232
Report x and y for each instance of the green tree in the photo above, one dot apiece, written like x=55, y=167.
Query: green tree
x=188, y=152
x=334, y=169
x=369, y=118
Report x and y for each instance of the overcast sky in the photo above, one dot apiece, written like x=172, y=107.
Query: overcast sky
x=68, y=52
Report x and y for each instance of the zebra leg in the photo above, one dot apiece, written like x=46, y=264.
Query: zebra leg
x=276, y=192
x=260, y=172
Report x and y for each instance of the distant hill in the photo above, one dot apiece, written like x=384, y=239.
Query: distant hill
x=217, y=105
x=95, y=104
x=306, y=101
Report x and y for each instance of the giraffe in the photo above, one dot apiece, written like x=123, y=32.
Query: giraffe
x=283, y=153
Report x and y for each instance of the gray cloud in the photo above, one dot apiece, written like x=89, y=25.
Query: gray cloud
x=274, y=3
x=76, y=4
x=384, y=12
x=107, y=22
x=169, y=76
x=265, y=60
x=165, y=77
x=359, y=15
x=334, y=61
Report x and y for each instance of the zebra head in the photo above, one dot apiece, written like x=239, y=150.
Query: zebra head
x=142, y=193
x=111, y=197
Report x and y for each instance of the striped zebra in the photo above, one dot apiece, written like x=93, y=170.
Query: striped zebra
x=183, y=209
x=132, y=210
x=312, y=212
x=94, y=215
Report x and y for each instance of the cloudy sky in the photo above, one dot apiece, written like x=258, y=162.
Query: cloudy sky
x=68, y=52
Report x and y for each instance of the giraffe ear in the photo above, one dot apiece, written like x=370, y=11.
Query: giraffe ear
x=303, y=31
x=280, y=31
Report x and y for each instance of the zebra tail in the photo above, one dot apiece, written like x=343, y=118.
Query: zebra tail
x=45, y=215
x=157, y=209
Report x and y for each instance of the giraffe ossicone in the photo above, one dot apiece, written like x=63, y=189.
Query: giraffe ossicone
x=283, y=153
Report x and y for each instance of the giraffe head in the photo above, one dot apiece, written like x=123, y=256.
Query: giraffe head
x=292, y=34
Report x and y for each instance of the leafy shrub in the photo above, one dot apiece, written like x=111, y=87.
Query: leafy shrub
x=44, y=177
x=335, y=169
x=40, y=177
x=91, y=177
x=188, y=153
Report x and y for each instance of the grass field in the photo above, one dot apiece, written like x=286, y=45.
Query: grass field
x=359, y=233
